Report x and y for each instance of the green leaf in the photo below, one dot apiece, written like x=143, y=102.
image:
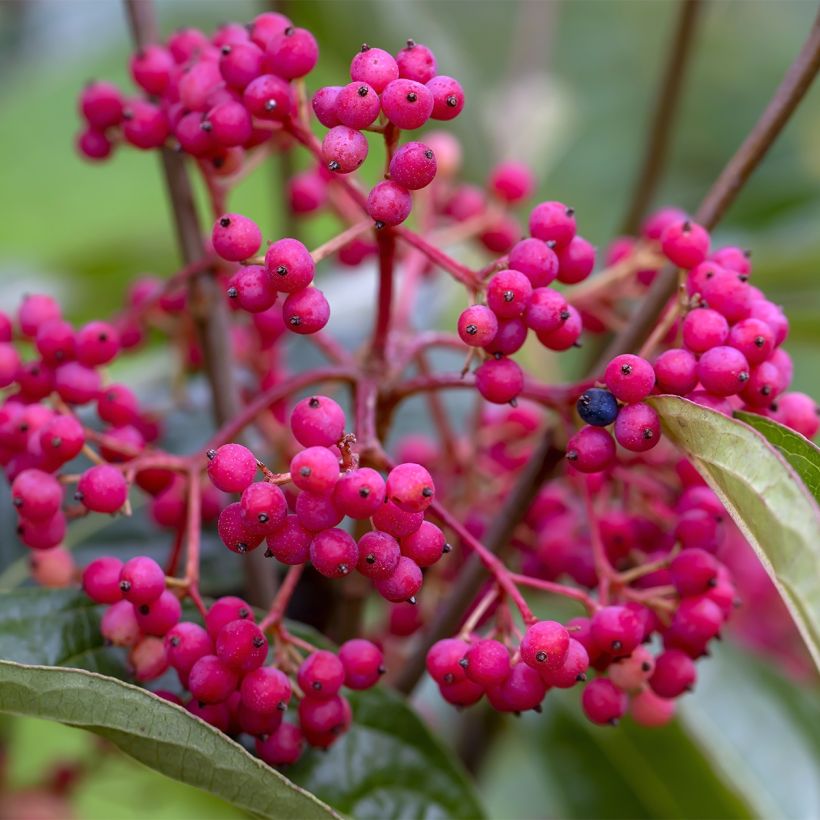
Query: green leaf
x=55, y=627
x=159, y=734
x=801, y=453
x=388, y=765
x=765, y=497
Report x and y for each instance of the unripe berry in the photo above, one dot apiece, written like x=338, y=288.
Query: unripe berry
x=231, y=468
x=269, y=98
x=290, y=265
x=575, y=260
x=185, y=644
x=315, y=470
x=546, y=311
x=410, y=487
x=425, y=546
x=145, y=125
x=676, y=371
x=499, y=380
x=102, y=489
x=240, y=64
x=290, y=543
x=521, y=690
x=603, y=702
x=487, y=663
x=42, y=535
x=54, y=568
x=728, y=294
x=693, y=571
x=754, y=338
x=395, y=521
x=282, y=747
x=157, y=617
x=647, y=709
x=508, y=293
x=512, y=181
x=101, y=104
x=293, y=53
x=142, y=580
x=674, y=674
x=306, y=311
x=317, y=512
x=448, y=97
x=324, y=105
x=444, y=660
x=36, y=495
x=77, y=384
x=263, y=507
x=571, y=671
x=553, y=222
x=266, y=26
x=389, y=203
x=379, y=555
x=236, y=533
x=798, y=411
x=566, y=335
x=148, y=659
x=536, y=260
x=616, y=630
x=217, y=715
x=477, y=326
x=357, y=105
x=723, y=371
x=631, y=674
x=545, y=645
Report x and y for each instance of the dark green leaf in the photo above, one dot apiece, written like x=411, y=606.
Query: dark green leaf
x=55, y=627
x=801, y=453
x=388, y=766
x=765, y=497
x=159, y=734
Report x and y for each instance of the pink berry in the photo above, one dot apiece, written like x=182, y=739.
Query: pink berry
x=266, y=26
x=630, y=378
x=413, y=166
x=522, y=689
x=571, y=671
x=102, y=489
x=148, y=659
x=357, y=105
x=344, y=149
x=211, y=680
x=282, y=747
x=448, y=97
x=290, y=542
x=359, y=493
x=399, y=523
x=9, y=364
x=101, y=580
x=231, y=468
x=444, y=660
x=487, y=663
x=410, y=487
x=591, y=450
x=324, y=105
x=647, y=709
x=241, y=645
x=101, y=104
x=637, y=427
x=676, y=371
x=317, y=421
x=94, y=145
x=290, y=264
x=407, y=104
x=754, y=338
x=315, y=469
x=728, y=294
x=142, y=580
x=499, y=380
x=477, y=326
x=77, y=384
x=674, y=674
x=508, y=293
x=375, y=67
x=575, y=260
x=293, y=53
x=223, y=611
x=236, y=533
x=723, y=371
x=151, y=69
x=317, y=512
x=55, y=341
x=185, y=644
x=616, y=630
x=693, y=571
x=426, y=545
x=334, y=553
x=655, y=224
x=145, y=125
x=268, y=97
x=97, y=343
x=545, y=645
x=254, y=289
x=235, y=237
x=263, y=507
x=36, y=495
x=230, y=124
x=567, y=333
x=266, y=690
x=685, y=243
x=546, y=311
x=512, y=181
x=416, y=62
x=603, y=702
x=53, y=569
x=704, y=329
x=240, y=64
x=321, y=675
x=62, y=438
x=42, y=535
x=119, y=626
x=631, y=674
x=798, y=411
x=536, y=260
x=553, y=222
x=363, y=663
x=379, y=555
x=158, y=617
x=403, y=584
x=389, y=203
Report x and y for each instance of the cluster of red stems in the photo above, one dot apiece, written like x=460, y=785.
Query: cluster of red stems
x=627, y=529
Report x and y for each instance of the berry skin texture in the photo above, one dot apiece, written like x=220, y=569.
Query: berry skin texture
x=637, y=428
x=575, y=261
x=407, y=104
x=553, y=222
x=235, y=237
x=306, y=311
x=389, y=518
x=223, y=611
x=603, y=702
x=316, y=512
x=685, y=243
x=522, y=690
x=546, y=311
x=389, y=203
x=374, y=66
x=231, y=468
x=321, y=675
x=416, y=62
x=754, y=338
x=410, y=487
x=344, y=149
x=290, y=543
x=241, y=645
x=266, y=690
x=477, y=326
x=425, y=546
x=508, y=293
x=363, y=663
x=317, y=421
x=413, y=166
x=268, y=97
x=536, y=260
x=403, y=584
x=101, y=580
x=315, y=469
x=591, y=450
x=597, y=407
x=102, y=489
x=357, y=105
x=293, y=53
x=324, y=105
x=723, y=371
x=571, y=671
x=211, y=680
x=36, y=495
x=234, y=531
x=142, y=580
x=499, y=380
x=334, y=553
x=630, y=378
x=674, y=674
x=487, y=663
x=185, y=644
x=676, y=371
x=264, y=507
x=545, y=645
x=444, y=660
x=616, y=630
x=359, y=493
x=379, y=555
x=448, y=97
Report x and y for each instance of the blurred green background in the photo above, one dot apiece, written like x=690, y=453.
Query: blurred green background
x=567, y=87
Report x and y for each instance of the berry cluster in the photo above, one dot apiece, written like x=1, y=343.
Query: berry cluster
x=330, y=486
x=223, y=664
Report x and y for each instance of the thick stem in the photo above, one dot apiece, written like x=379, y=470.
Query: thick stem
x=723, y=193
x=387, y=257
x=663, y=118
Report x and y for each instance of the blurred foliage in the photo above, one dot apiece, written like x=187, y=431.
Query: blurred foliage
x=566, y=86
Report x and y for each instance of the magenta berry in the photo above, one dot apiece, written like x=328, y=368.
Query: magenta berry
x=379, y=555
x=545, y=645
x=241, y=645
x=102, y=105
x=317, y=512
x=282, y=747
x=567, y=333
x=211, y=680
x=159, y=616
x=512, y=181
x=674, y=674
x=359, y=493
x=321, y=675
x=317, y=421
x=798, y=411
x=591, y=450
x=399, y=523
x=254, y=288
x=403, y=584
x=603, y=702
x=268, y=97
x=546, y=311
x=334, y=553
x=263, y=507
x=145, y=125
x=36, y=495
x=575, y=260
x=413, y=166
x=407, y=104
x=389, y=203
x=508, y=293
x=499, y=380
x=235, y=237
x=536, y=260
x=723, y=371
x=290, y=542
x=119, y=626
x=357, y=105
x=754, y=338
x=290, y=265
x=647, y=709
x=142, y=580
x=315, y=469
x=676, y=371
x=630, y=378
x=694, y=571
x=374, y=66
x=416, y=62
x=96, y=343
x=444, y=660
x=77, y=384
x=306, y=311
x=477, y=326
x=266, y=690
x=363, y=663
x=236, y=532
x=241, y=63
x=616, y=630
x=553, y=222
x=426, y=545
x=185, y=644
x=448, y=97
x=102, y=489
x=223, y=611
x=637, y=427
x=410, y=487
x=522, y=689
x=685, y=243
x=101, y=580
x=231, y=468
x=292, y=53
x=571, y=671
x=487, y=663
x=344, y=149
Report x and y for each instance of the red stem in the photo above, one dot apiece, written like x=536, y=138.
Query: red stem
x=283, y=596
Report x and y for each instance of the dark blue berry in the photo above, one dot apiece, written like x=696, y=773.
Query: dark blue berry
x=597, y=407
